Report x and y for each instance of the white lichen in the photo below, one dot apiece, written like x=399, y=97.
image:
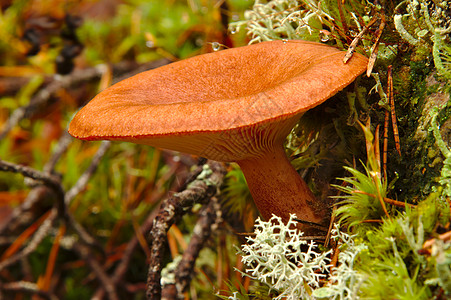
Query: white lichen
x=278, y=257
x=282, y=19
x=167, y=274
x=281, y=258
x=344, y=281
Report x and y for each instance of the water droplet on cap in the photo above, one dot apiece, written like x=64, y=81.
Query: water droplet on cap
x=215, y=46
x=323, y=36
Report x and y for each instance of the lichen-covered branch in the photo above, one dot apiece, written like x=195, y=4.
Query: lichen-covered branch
x=172, y=209
x=210, y=216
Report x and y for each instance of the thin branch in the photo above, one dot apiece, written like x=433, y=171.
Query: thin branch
x=77, y=188
x=39, y=192
x=61, y=147
x=27, y=287
x=87, y=174
x=172, y=209
x=20, y=215
x=48, y=179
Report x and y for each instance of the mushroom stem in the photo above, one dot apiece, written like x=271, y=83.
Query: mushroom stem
x=278, y=189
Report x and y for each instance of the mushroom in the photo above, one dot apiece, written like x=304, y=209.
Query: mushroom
x=236, y=105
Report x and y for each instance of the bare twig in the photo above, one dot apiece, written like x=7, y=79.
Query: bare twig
x=48, y=179
x=375, y=48
x=38, y=192
x=60, y=148
x=199, y=191
x=28, y=287
x=84, y=178
x=19, y=215
x=356, y=40
x=32, y=173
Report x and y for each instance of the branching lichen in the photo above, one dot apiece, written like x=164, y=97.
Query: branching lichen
x=344, y=280
x=278, y=257
x=285, y=19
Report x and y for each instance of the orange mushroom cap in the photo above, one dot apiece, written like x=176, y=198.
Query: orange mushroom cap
x=224, y=105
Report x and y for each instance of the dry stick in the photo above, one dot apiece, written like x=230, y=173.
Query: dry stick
x=49, y=180
x=46, y=178
x=9, y=86
x=44, y=96
x=375, y=47
x=27, y=287
x=84, y=178
x=171, y=210
x=77, y=188
x=19, y=215
x=209, y=219
x=342, y=17
x=356, y=40
x=37, y=193
x=63, y=143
